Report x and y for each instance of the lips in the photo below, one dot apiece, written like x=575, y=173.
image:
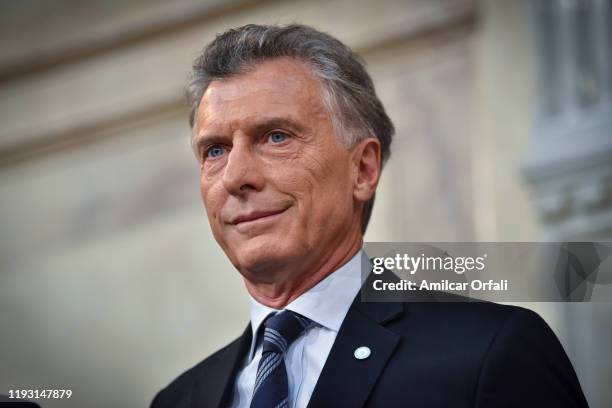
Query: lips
x=255, y=215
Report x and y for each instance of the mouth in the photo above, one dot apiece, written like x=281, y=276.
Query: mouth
x=256, y=217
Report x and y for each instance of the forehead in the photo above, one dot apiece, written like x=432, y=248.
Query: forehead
x=279, y=87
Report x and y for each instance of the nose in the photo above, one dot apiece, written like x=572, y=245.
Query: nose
x=242, y=173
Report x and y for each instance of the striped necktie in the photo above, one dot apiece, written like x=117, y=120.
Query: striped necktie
x=271, y=385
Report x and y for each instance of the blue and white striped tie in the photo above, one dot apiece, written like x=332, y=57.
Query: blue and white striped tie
x=271, y=386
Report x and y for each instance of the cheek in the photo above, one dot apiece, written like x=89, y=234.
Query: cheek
x=322, y=186
x=212, y=199
x=330, y=175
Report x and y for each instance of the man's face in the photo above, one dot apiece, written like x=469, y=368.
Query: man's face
x=276, y=181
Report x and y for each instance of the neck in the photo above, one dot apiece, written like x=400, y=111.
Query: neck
x=277, y=295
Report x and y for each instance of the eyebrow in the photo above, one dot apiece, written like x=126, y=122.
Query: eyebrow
x=277, y=122
x=209, y=140
x=258, y=128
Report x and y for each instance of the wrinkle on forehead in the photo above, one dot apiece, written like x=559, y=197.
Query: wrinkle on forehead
x=286, y=83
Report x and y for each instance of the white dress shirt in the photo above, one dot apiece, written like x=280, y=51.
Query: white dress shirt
x=326, y=304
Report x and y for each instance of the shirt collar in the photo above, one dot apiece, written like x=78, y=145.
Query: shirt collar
x=326, y=303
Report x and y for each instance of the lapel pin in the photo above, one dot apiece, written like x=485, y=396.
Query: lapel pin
x=363, y=352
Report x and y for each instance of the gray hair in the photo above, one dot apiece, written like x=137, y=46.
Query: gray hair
x=348, y=91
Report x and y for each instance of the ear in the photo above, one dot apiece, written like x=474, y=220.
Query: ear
x=366, y=164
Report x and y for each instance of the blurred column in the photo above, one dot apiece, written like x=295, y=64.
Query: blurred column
x=569, y=161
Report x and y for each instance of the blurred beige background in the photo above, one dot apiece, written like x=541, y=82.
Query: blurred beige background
x=110, y=281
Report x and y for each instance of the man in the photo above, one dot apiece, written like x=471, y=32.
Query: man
x=291, y=137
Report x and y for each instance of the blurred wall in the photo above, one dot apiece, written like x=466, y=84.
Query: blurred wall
x=110, y=281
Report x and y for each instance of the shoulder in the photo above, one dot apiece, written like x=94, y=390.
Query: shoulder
x=507, y=354
x=526, y=365
x=491, y=320
x=467, y=332
x=467, y=317
x=178, y=392
x=478, y=326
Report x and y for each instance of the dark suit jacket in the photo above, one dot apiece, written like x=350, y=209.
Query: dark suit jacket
x=6, y=402
x=424, y=355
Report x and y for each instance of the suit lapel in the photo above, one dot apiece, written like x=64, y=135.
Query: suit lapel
x=345, y=377
x=216, y=390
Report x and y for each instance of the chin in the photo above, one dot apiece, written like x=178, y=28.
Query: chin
x=262, y=254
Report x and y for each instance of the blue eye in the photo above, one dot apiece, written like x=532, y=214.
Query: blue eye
x=215, y=151
x=277, y=137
